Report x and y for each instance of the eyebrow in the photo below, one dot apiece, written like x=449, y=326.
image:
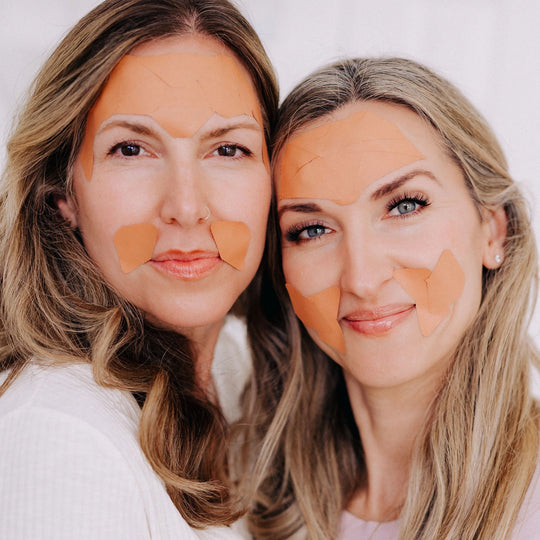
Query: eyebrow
x=221, y=131
x=141, y=129
x=303, y=208
x=398, y=182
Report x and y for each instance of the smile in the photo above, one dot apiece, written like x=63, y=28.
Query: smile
x=378, y=321
x=188, y=266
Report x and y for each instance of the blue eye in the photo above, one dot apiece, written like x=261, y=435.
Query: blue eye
x=407, y=206
x=314, y=231
x=305, y=233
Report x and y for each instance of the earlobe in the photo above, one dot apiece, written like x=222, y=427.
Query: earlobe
x=495, y=222
x=68, y=210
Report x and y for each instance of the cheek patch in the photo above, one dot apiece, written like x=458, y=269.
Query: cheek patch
x=434, y=292
x=232, y=240
x=180, y=91
x=135, y=245
x=338, y=160
x=319, y=312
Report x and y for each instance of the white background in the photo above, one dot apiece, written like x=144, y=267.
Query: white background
x=489, y=48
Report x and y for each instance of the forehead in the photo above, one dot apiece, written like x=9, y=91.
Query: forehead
x=181, y=90
x=338, y=156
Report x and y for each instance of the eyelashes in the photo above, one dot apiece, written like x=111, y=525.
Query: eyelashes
x=313, y=230
x=407, y=204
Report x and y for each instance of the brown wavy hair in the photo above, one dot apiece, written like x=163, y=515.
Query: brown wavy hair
x=55, y=303
x=474, y=460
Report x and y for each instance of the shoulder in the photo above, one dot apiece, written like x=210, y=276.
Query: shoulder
x=60, y=469
x=66, y=398
x=528, y=521
x=69, y=389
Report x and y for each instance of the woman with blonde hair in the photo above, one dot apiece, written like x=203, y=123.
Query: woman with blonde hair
x=408, y=255
x=133, y=215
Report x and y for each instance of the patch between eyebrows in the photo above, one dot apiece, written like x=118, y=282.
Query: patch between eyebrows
x=319, y=312
x=338, y=160
x=232, y=240
x=180, y=91
x=135, y=245
x=434, y=292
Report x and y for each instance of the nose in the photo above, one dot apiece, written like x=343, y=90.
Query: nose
x=366, y=265
x=183, y=199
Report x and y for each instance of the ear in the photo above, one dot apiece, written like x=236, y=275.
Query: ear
x=495, y=224
x=68, y=210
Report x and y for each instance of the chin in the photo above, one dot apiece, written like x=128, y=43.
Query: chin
x=184, y=319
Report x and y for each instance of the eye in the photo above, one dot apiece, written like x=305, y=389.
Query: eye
x=405, y=205
x=130, y=150
x=232, y=151
x=126, y=149
x=314, y=231
x=305, y=233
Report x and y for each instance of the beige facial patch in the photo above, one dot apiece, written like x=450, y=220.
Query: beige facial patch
x=433, y=291
x=338, y=160
x=135, y=245
x=319, y=312
x=232, y=240
x=180, y=91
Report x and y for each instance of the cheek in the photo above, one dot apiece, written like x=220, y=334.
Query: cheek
x=310, y=271
x=249, y=202
x=103, y=215
x=292, y=266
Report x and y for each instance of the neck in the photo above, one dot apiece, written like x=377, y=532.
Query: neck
x=204, y=339
x=389, y=421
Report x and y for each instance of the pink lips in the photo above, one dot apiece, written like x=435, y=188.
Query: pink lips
x=190, y=265
x=378, y=321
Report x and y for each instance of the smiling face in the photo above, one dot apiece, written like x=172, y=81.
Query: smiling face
x=382, y=222
x=171, y=187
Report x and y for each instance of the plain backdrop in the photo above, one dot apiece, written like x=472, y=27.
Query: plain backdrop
x=489, y=48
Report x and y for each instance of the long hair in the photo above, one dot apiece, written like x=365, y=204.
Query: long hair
x=54, y=302
x=475, y=458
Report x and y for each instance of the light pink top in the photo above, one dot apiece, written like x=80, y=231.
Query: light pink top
x=527, y=525
x=353, y=528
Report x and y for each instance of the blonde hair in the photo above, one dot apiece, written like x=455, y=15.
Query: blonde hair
x=476, y=456
x=55, y=304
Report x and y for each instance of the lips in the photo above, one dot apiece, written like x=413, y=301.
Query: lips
x=190, y=265
x=379, y=320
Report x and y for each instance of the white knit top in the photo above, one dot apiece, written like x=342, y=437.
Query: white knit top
x=71, y=466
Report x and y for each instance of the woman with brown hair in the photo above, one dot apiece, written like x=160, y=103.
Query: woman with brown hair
x=408, y=255
x=133, y=215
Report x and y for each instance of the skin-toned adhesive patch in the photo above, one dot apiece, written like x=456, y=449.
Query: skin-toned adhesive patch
x=434, y=292
x=338, y=160
x=180, y=91
x=135, y=245
x=232, y=240
x=319, y=312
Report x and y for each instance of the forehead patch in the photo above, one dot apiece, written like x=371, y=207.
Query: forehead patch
x=338, y=160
